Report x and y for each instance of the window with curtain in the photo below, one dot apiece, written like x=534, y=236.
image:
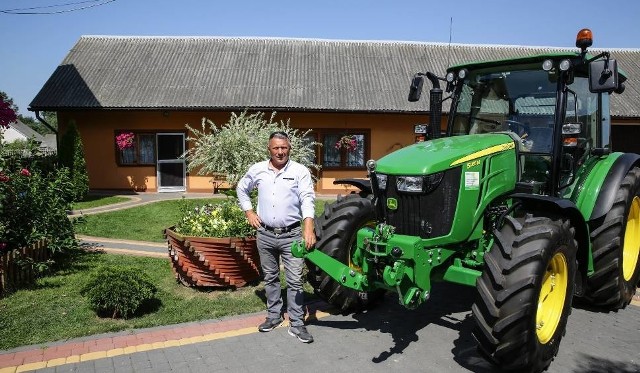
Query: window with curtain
x=142, y=152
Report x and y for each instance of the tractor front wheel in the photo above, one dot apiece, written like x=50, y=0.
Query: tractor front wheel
x=616, y=248
x=525, y=293
x=336, y=230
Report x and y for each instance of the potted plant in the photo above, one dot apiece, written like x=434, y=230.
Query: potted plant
x=213, y=246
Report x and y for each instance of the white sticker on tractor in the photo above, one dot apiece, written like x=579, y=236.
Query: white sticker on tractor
x=472, y=180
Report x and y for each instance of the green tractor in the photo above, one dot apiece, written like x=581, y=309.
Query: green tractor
x=522, y=198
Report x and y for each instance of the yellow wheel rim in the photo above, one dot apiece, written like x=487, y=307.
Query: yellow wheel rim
x=552, y=296
x=631, y=246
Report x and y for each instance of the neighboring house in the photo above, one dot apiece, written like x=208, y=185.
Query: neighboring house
x=19, y=131
x=153, y=86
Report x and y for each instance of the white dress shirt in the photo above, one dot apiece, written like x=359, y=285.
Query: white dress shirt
x=284, y=197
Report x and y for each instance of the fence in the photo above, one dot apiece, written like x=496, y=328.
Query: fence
x=13, y=272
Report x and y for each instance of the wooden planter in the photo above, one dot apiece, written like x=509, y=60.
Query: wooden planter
x=213, y=262
x=12, y=274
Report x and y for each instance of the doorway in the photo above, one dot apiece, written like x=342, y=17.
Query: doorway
x=171, y=169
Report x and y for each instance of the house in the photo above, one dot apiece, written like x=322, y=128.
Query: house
x=19, y=131
x=153, y=86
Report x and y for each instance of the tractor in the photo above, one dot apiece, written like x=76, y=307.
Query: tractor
x=521, y=197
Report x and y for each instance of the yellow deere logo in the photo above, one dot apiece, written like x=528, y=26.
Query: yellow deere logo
x=392, y=203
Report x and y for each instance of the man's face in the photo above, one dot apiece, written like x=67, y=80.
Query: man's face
x=279, y=152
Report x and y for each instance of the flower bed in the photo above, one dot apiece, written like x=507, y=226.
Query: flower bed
x=213, y=262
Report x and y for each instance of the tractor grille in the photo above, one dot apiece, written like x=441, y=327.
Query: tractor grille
x=428, y=214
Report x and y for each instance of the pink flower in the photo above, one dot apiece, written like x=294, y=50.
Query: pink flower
x=125, y=140
x=25, y=172
x=3, y=245
x=347, y=142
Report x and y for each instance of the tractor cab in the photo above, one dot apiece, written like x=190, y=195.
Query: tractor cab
x=555, y=107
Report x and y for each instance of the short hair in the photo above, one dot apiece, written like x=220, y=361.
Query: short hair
x=279, y=135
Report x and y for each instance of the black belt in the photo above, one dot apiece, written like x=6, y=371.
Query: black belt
x=282, y=230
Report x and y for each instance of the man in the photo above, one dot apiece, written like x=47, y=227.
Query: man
x=285, y=197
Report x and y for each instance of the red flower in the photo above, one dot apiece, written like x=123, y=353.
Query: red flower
x=4, y=178
x=25, y=172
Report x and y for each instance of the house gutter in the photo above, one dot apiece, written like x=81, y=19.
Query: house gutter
x=45, y=122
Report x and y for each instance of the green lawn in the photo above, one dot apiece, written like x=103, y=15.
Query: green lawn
x=92, y=201
x=146, y=222
x=54, y=309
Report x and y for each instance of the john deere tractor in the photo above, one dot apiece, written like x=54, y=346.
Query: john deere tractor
x=522, y=197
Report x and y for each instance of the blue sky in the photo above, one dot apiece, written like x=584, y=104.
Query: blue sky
x=33, y=45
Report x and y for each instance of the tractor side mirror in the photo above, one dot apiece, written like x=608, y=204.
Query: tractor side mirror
x=603, y=76
x=415, y=90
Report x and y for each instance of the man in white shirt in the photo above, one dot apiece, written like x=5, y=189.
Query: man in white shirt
x=285, y=197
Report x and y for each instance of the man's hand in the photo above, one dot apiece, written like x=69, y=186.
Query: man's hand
x=253, y=218
x=309, y=234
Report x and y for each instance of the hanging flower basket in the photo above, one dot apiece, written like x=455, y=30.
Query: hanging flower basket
x=347, y=142
x=213, y=262
x=125, y=140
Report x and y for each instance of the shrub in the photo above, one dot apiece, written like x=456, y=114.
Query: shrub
x=33, y=207
x=231, y=148
x=224, y=219
x=71, y=154
x=118, y=291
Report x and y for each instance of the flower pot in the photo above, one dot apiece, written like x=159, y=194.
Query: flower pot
x=213, y=262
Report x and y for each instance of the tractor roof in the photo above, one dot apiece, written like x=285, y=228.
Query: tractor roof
x=524, y=60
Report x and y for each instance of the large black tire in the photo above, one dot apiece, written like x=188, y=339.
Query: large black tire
x=525, y=293
x=616, y=248
x=336, y=230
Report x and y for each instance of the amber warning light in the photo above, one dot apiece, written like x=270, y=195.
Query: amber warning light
x=584, y=39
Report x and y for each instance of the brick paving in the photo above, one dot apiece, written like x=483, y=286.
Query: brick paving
x=436, y=335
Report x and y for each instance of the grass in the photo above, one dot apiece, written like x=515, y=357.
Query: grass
x=54, y=310
x=142, y=223
x=146, y=222
x=97, y=201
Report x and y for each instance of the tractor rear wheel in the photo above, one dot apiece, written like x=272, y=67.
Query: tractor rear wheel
x=336, y=230
x=616, y=248
x=525, y=293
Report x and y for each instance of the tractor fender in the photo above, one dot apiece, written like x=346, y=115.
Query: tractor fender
x=363, y=184
x=611, y=184
x=566, y=208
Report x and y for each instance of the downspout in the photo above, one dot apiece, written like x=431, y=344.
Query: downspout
x=45, y=122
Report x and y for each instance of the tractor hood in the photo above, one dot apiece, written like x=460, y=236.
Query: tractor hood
x=436, y=155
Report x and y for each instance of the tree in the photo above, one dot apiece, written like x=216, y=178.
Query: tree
x=7, y=111
x=49, y=116
x=71, y=155
x=231, y=148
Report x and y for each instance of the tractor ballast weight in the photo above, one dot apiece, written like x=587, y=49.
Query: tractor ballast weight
x=522, y=198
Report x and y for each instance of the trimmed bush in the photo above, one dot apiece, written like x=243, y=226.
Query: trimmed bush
x=118, y=291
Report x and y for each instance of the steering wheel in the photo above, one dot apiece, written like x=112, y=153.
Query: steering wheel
x=518, y=128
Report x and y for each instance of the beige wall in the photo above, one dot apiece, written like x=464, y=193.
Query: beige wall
x=97, y=129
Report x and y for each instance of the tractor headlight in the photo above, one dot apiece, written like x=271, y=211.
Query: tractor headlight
x=382, y=181
x=410, y=184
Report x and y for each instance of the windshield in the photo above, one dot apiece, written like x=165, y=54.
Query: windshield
x=519, y=99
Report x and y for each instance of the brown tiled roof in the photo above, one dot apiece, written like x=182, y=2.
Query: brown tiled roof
x=215, y=73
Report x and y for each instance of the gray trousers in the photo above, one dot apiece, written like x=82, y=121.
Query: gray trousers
x=272, y=248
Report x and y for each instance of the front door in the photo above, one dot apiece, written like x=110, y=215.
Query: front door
x=171, y=168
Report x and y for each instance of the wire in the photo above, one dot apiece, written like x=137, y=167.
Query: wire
x=34, y=10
